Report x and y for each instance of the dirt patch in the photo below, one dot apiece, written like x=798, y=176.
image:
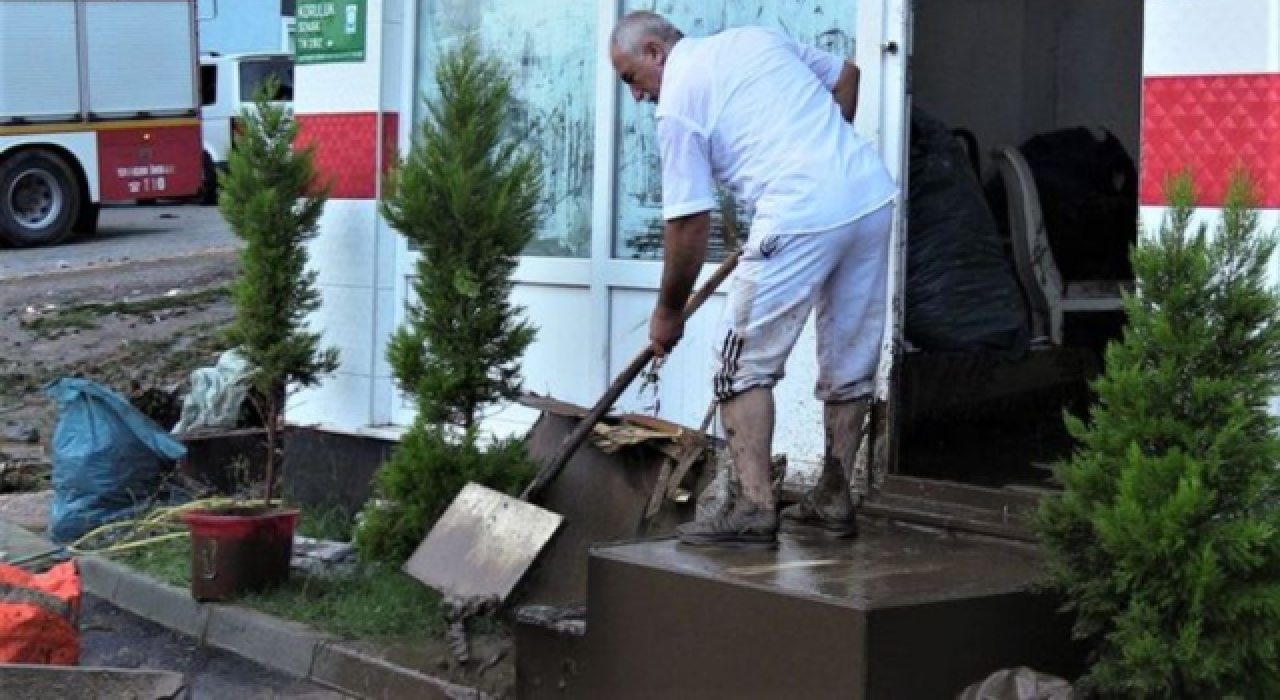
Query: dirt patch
x=52, y=321
x=134, y=327
x=491, y=671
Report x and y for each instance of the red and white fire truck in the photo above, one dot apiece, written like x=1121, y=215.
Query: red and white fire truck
x=99, y=102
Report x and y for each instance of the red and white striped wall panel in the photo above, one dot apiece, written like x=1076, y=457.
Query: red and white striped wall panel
x=1211, y=95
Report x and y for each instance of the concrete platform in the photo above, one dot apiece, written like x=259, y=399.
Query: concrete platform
x=29, y=682
x=895, y=613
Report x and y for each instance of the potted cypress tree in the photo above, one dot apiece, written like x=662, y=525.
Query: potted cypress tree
x=1166, y=539
x=468, y=199
x=271, y=200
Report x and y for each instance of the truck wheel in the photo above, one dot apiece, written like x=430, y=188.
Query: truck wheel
x=39, y=199
x=208, y=193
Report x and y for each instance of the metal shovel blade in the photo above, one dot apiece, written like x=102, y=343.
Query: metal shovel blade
x=488, y=539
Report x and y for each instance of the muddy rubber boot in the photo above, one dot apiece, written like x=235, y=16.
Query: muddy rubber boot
x=719, y=497
x=746, y=525
x=828, y=508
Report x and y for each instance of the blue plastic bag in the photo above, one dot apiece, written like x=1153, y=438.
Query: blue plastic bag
x=107, y=458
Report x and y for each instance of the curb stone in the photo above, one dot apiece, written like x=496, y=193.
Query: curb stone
x=281, y=645
x=290, y=647
x=371, y=677
x=165, y=605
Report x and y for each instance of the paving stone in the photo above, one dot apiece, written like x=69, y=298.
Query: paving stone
x=36, y=682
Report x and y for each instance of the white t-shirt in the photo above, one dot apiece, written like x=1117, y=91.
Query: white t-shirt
x=753, y=109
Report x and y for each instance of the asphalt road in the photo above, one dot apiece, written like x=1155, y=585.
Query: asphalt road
x=127, y=233
x=114, y=638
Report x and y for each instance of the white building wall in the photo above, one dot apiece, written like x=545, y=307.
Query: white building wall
x=1212, y=101
x=350, y=113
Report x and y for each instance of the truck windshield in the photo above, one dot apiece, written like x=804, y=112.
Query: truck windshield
x=254, y=73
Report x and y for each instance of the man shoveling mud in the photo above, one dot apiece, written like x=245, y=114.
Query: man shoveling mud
x=772, y=120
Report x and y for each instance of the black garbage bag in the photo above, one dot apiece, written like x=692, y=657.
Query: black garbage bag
x=1088, y=186
x=960, y=288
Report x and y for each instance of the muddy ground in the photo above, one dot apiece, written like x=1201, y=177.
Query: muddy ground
x=111, y=637
x=133, y=326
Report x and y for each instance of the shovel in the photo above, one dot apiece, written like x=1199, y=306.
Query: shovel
x=486, y=541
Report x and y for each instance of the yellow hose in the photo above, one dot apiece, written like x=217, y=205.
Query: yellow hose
x=168, y=517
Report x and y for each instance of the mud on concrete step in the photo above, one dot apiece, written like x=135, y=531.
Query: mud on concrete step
x=893, y=613
x=1006, y=513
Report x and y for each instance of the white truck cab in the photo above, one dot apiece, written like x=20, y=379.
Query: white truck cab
x=228, y=84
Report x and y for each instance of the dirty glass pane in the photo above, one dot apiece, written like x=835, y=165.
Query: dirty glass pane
x=827, y=24
x=549, y=47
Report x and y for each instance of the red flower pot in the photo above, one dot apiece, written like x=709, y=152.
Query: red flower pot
x=239, y=550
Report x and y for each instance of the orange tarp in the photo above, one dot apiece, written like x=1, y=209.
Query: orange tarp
x=39, y=615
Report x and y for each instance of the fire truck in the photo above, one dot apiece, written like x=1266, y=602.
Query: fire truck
x=99, y=102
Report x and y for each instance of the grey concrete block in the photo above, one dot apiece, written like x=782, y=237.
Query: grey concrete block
x=279, y=644
x=99, y=576
x=41, y=682
x=17, y=542
x=161, y=603
x=364, y=676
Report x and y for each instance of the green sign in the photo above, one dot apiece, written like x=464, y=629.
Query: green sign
x=330, y=31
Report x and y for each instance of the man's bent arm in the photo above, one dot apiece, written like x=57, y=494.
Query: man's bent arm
x=685, y=249
x=846, y=91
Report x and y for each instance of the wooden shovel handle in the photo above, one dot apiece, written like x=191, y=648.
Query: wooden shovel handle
x=579, y=435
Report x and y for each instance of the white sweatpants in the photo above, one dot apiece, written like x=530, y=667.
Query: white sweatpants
x=780, y=279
